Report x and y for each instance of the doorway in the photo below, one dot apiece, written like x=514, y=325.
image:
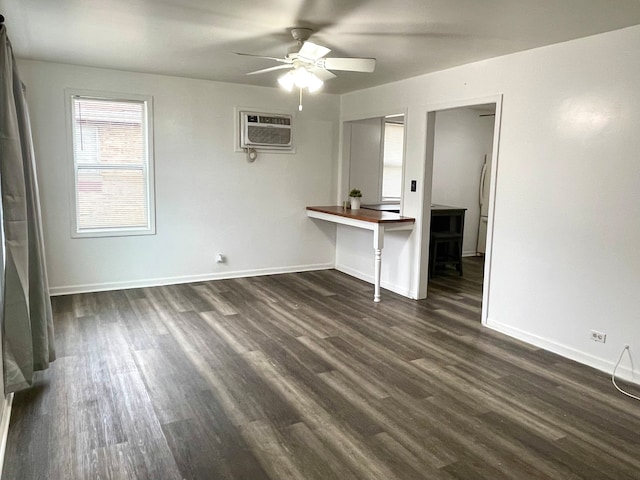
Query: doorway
x=460, y=179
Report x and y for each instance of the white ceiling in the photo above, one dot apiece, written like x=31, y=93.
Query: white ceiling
x=196, y=38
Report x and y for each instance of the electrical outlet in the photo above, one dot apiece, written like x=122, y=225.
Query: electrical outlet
x=598, y=336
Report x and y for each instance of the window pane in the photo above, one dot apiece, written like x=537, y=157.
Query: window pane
x=112, y=165
x=392, y=160
x=109, y=132
x=111, y=198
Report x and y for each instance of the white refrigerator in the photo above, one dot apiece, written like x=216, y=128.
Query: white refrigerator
x=483, y=194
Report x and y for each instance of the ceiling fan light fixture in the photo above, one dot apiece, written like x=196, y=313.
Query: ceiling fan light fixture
x=308, y=67
x=314, y=83
x=301, y=78
x=287, y=81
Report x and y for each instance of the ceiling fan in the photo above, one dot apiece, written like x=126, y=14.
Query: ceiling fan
x=308, y=67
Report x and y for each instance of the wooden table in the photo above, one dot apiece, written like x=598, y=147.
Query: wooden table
x=377, y=221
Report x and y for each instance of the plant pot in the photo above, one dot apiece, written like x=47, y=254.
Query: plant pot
x=355, y=203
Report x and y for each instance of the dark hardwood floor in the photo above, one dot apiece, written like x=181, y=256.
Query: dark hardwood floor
x=302, y=376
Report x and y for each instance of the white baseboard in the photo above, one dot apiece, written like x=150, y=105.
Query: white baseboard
x=4, y=427
x=369, y=279
x=604, y=365
x=155, y=282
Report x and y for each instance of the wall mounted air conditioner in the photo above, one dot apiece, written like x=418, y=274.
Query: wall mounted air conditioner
x=265, y=131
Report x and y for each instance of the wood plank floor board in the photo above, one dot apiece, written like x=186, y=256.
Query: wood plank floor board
x=398, y=379
x=214, y=299
x=368, y=329
x=247, y=389
x=474, y=440
x=31, y=433
x=203, y=452
x=591, y=434
x=361, y=376
x=274, y=324
x=114, y=461
x=302, y=376
x=506, y=453
x=429, y=450
x=169, y=404
x=495, y=396
x=402, y=461
x=565, y=465
x=315, y=389
x=297, y=320
x=196, y=298
x=295, y=353
x=174, y=300
x=598, y=460
x=316, y=459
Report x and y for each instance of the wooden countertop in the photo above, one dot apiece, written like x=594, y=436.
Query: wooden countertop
x=384, y=207
x=373, y=216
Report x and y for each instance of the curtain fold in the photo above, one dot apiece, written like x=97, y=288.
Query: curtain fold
x=27, y=320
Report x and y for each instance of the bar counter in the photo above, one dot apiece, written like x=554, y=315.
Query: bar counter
x=375, y=220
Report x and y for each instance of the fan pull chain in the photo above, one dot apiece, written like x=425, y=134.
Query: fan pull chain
x=300, y=104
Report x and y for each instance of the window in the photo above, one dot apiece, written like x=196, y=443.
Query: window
x=112, y=165
x=392, y=160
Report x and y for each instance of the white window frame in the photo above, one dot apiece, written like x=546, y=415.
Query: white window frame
x=384, y=199
x=147, y=169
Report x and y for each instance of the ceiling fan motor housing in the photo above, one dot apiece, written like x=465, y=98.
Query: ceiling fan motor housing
x=301, y=34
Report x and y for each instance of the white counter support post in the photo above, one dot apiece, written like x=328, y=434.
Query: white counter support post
x=378, y=245
x=378, y=222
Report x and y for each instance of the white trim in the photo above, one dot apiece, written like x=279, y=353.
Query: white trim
x=421, y=277
x=375, y=114
x=488, y=253
x=369, y=279
x=602, y=364
x=380, y=158
x=463, y=102
x=155, y=282
x=148, y=169
x=4, y=427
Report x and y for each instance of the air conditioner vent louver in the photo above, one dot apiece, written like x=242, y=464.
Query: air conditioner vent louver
x=269, y=136
x=265, y=131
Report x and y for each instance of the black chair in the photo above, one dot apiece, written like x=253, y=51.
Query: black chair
x=445, y=251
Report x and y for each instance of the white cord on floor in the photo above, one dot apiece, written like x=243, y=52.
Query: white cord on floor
x=613, y=375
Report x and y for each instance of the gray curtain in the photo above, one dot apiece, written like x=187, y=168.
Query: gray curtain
x=27, y=321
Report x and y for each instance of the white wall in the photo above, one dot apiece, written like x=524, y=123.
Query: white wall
x=462, y=139
x=209, y=199
x=565, y=254
x=365, y=158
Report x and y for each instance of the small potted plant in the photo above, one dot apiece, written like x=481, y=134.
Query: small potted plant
x=354, y=198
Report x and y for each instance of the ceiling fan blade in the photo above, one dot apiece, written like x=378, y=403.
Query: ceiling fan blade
x=281, y=60
x=349, y=64
x=323, y=74
x=313, y=52
x=270, y=69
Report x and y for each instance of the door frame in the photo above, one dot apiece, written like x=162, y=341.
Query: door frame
x=423, y=271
